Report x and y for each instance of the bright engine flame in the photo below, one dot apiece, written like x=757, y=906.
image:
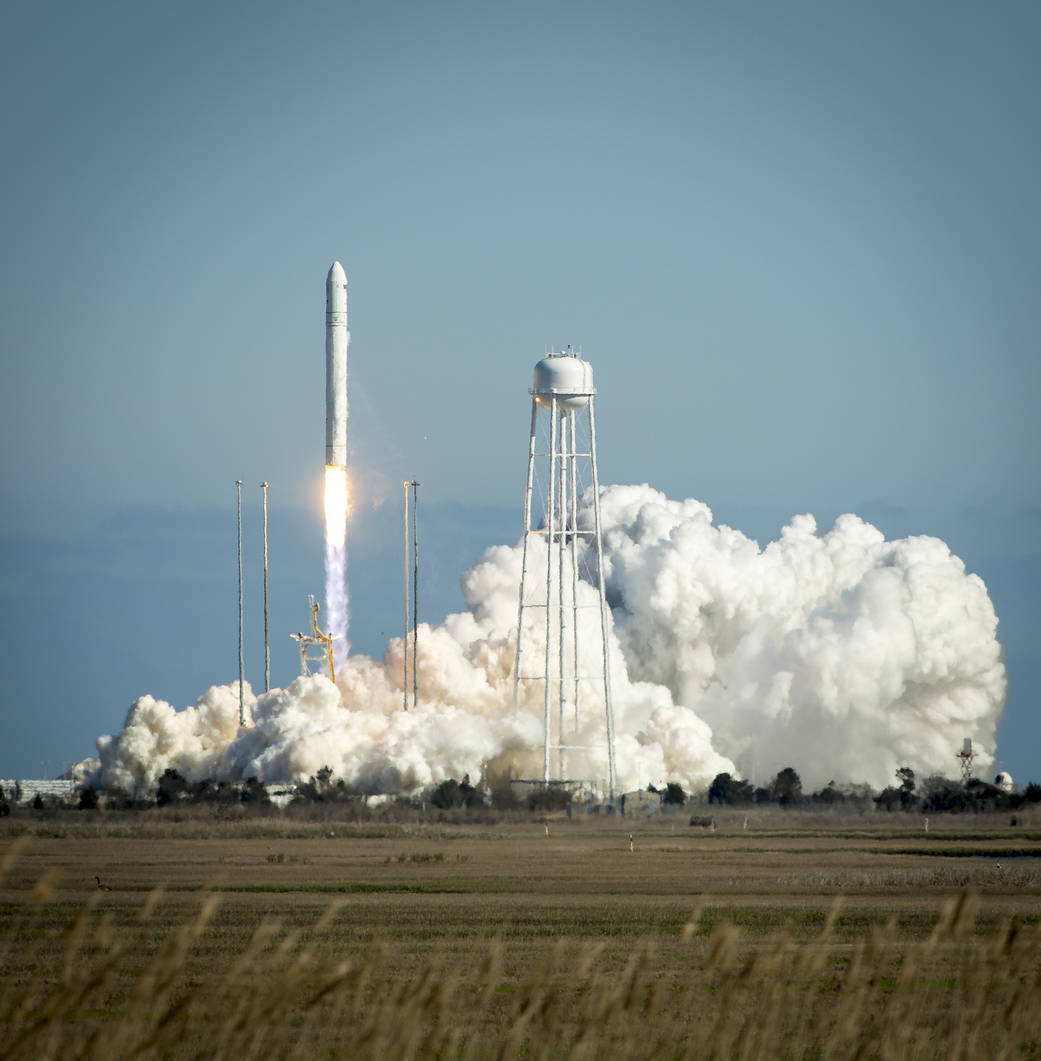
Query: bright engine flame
x=335, y=505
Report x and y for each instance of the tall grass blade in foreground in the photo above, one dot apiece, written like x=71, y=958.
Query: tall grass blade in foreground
x=951, y=995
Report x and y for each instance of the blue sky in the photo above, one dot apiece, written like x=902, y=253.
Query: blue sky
x=799, y=243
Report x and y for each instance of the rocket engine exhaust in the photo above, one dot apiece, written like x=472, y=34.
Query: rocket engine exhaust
x=337, y=340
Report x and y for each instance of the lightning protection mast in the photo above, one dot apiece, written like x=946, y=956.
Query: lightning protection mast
x=242, y=676
x=411, y=553
x=267, y=633
x=572, y=670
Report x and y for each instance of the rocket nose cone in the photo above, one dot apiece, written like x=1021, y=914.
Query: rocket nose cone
x=336, y=274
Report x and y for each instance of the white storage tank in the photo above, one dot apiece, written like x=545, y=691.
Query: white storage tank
x=567, y=378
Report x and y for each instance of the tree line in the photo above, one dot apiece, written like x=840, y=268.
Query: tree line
x=935, y=794
x=931, y=795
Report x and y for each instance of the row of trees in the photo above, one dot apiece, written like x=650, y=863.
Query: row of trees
x=172, y=789
x=785, y=790
x=936, y=795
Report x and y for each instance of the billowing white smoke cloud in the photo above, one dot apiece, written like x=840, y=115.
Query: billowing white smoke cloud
x=842, y=655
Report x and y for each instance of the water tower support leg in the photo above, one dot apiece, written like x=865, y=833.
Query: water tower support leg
x=524, y=554
x=550, y=498
x=562, y=508
x=612, y=778
x=573, y=516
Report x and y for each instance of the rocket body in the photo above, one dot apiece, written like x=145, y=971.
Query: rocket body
x=336, y=341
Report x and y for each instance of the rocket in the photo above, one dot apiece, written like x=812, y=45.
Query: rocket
x=336, y=340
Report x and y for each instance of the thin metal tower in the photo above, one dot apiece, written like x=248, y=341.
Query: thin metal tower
x=242, y=707
x=267, y=638
x=404, y=640
x=411, y=549
x=965, y=756
x=415, y=594
x=563, y=390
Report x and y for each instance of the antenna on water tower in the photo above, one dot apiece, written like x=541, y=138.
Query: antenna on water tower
x=563, y=389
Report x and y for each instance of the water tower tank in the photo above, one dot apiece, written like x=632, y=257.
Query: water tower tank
x=567, y=378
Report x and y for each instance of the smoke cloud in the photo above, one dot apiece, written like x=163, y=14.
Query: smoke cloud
x=841, y=654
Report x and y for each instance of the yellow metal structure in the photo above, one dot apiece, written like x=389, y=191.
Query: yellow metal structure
x=324, y=638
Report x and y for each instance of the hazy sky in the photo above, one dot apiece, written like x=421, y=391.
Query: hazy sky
x=799, y=243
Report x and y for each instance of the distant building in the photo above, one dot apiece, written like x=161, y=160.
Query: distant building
x=281, y=795
x=25, y=791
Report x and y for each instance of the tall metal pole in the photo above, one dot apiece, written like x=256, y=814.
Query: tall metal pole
x=415, y=595
x=404, y=640
x=608, y=709
x=242, y=707
x=524, y=553
x=267, y=638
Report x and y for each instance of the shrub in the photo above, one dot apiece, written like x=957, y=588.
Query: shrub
x=943, y=795
x=253, y=792
x=452, y=793
x=172, y=788
x=322, y=789
x=504, y=797
x=727, y=789
x=786, y=788
x=829, y=795
x=717, y=791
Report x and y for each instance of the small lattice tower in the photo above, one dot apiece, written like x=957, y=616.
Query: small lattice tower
x=966, y=755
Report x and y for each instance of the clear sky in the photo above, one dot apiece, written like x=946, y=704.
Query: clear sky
x=799, y=243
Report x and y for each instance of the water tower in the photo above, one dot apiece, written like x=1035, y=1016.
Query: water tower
x=573, y=672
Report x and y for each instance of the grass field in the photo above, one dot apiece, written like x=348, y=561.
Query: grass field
x=791, y=935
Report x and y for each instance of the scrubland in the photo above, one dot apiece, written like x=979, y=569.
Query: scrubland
x=778, y=934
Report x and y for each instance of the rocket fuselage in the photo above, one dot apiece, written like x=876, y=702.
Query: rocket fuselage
x=336, y=340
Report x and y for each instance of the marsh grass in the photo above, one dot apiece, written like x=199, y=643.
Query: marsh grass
x=175, y=976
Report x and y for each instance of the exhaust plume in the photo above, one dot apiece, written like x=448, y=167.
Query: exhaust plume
x=337, y=601
x=841, y=654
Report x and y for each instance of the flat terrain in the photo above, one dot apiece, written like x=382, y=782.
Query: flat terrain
x=435, y=899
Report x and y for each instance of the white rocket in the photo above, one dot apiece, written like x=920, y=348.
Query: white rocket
x=337, y=339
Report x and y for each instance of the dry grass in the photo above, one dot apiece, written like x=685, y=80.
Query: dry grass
x=508, y=943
